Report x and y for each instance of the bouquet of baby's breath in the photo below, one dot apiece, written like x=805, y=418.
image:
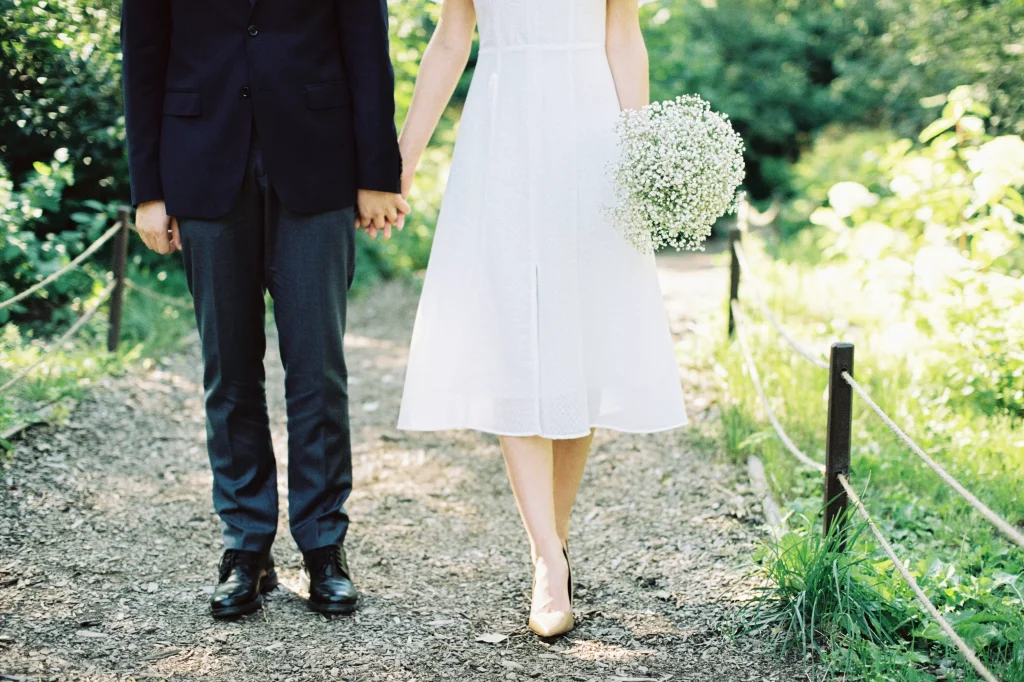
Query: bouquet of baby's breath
x=679, y=171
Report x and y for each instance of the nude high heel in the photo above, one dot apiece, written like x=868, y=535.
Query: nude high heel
x=555, y=623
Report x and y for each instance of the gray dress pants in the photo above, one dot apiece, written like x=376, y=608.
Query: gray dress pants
x=306, y=262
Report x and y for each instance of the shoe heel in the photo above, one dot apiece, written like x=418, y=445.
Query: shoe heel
x=269, y=583
x=568, y=562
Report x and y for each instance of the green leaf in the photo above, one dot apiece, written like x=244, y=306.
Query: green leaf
x=936, y=128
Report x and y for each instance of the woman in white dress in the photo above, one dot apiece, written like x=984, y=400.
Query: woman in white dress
x=538, y=322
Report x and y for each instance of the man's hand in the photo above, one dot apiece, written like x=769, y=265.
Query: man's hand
x=380, y=211
x=158, y=230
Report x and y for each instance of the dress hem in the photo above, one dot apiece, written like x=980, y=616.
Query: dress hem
x=507, y=434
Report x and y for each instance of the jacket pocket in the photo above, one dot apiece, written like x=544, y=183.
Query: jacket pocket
x=182, y=103
x=326, y=95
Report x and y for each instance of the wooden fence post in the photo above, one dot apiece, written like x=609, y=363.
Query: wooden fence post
x=124, y=215
x=837, y=439
x=734, y=275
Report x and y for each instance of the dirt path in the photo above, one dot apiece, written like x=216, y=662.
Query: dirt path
x=108, y=543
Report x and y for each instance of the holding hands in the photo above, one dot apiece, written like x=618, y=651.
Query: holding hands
x=380, y=211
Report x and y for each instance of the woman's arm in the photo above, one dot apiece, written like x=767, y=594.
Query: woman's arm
x=443, y=63
x=627, y=54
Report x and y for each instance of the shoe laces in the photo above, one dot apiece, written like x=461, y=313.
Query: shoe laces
x=327, y=560
x=232, y=558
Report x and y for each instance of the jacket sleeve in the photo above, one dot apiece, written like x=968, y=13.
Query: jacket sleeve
x=145, y=46
x=363, y=28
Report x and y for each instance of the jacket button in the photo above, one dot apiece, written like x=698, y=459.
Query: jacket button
x=253, y=30
x=246, y=92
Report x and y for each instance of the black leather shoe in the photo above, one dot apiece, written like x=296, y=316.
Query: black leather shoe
x=326, y=573
x=244, y=578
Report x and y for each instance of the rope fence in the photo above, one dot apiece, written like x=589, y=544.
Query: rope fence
x=837, y=488
x=156, y=296
x=795, y=345
x=78, y=260
x=755, y=378
x=983, y=509
x=112, y=294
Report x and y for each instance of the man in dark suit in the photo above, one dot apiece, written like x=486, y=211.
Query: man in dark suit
x=260, y=135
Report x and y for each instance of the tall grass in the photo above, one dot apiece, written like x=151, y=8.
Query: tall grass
x=822, y=601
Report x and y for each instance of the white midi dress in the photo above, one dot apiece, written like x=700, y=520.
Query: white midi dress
x=537, y=317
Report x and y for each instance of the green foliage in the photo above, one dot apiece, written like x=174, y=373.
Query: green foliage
x=967, y=568
x=60, y=88
x=832, y=606
x=784, y=70
x=914, y=257
x=25, y=256
x=928, y=47
x=770, y=65
x=950, y=207
x=149, y=331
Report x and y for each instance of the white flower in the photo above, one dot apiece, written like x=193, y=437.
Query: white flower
x=679, y=171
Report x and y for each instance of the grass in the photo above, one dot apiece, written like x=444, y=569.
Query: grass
x=824, y=602
x=969, y=570
x=150, y=331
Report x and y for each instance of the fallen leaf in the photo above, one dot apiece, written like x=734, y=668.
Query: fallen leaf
x=491, y=637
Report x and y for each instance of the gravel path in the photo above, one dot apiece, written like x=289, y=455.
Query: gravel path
x=108, y=542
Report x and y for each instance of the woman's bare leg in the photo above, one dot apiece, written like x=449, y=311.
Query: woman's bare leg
x=570, y=459
x=530, y=464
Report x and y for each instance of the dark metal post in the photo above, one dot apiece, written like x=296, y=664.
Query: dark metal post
x=734, y=275
x=837, y=439
x=124, y=215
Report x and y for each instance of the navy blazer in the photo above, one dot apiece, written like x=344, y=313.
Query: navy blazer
x=314, y=76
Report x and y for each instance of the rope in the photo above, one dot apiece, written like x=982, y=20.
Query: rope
x=756, y=378
x=81, y=322
x=968, y=653
x=64, y=270
x=998, y=521
x=793, y=343
x=156, y=296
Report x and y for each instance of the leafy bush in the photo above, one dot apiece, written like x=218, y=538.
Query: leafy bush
x=60, y=88
x=26, y=257
x=928, y=47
